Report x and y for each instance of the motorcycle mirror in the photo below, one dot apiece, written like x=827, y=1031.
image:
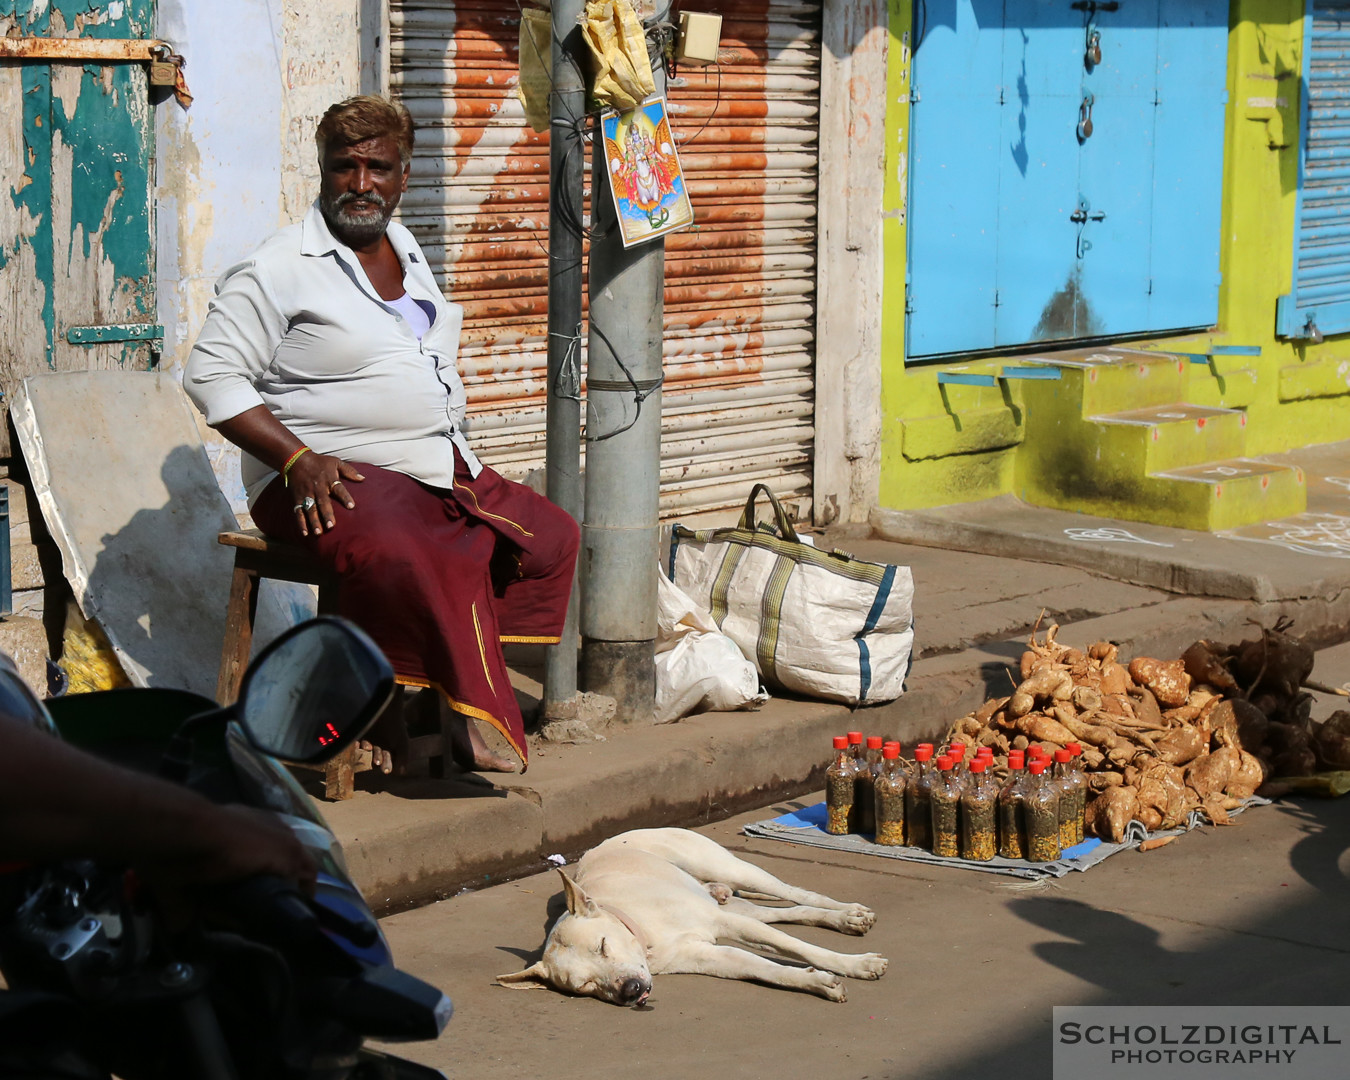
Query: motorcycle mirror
x=314, y=691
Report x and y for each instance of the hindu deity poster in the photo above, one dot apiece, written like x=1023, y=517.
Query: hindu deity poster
x=644, y=173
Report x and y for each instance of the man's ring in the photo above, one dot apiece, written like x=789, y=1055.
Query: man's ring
x=334, y=484
x=307, y=504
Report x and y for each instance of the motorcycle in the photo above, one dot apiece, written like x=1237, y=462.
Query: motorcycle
x=264, y=981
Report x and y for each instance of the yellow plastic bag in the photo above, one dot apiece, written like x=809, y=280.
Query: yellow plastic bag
x=87, y=657
x=536, y=66
x=623, y=71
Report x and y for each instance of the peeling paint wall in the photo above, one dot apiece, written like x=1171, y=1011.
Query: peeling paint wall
x=321, y=47
x=850, y=260
x=76, y=209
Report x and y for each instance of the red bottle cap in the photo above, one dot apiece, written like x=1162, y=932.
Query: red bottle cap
x=891, y=742
x=855, y=738
x=944, y=763
x=927, y=744
x=841, y=742
x=1017, y=760
x=1037, y=767
x=874, y=742
x=891, y=751
x=923, y=752
x=984, y=752
x=957, y=748
x=1075, y=748
x=1063, y=756
x=977, y=766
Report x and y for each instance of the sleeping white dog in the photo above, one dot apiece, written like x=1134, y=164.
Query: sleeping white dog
x=657, y=901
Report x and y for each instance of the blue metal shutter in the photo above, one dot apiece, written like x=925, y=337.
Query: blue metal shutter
x=1320, y=301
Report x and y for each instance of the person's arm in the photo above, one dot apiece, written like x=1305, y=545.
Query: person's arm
x=58, y=802
x=318, y=476
x=243, y=328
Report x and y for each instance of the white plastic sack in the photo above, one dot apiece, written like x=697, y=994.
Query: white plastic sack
x=814, y=622
x=698, y=668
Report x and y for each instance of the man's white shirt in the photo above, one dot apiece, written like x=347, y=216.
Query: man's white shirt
x=298, y=327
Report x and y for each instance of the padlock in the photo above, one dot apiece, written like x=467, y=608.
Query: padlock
x=163, y=73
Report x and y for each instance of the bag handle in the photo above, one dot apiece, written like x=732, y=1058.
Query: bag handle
x=785, y=529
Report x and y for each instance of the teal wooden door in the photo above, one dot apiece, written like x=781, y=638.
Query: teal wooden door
x=77, y=283
x=1065, y=171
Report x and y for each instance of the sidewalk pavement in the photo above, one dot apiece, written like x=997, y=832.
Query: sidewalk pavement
x=1247, y=915
x=982, y=572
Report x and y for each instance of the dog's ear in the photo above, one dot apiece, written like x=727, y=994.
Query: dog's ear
x=534, y=977
x=578, y=903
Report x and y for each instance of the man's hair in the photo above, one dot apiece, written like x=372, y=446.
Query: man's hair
x=365, y=117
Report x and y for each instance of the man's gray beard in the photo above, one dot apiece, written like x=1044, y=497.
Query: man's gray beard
x=355, y=231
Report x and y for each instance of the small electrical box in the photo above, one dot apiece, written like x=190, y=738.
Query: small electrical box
x=700, y=36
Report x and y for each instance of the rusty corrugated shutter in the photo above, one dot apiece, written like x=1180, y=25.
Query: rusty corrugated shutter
x=740, y=285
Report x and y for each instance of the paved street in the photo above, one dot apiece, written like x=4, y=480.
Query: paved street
x=1250, y=914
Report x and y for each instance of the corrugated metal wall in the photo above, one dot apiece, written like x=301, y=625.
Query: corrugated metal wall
x=740, y=285
x=1320, y=298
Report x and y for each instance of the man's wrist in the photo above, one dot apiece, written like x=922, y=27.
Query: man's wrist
x=290, y=461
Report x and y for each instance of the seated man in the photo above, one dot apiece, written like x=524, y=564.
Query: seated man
x=328, y=357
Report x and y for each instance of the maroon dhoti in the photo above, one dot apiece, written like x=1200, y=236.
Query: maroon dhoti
x=439, y=579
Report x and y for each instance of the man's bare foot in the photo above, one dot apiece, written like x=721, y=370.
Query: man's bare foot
x=471, y=752
x=380, y=758
x=388, y=741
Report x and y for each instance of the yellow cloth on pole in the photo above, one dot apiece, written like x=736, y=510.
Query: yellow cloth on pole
x=623, y=71
x=536, y=66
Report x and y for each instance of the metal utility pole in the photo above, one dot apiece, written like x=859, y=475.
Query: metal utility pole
x=619, y=537
x=565, y=222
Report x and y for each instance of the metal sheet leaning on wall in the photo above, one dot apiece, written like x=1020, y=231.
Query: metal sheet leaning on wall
x=740, y=285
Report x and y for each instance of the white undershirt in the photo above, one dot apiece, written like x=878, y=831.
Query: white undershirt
x=411, y=310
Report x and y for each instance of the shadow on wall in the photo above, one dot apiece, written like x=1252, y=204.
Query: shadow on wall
x=160, y=584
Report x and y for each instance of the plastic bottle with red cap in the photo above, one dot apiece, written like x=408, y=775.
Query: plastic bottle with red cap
x=1073, y=781
x=839, y=789
x=1063, y=763
x=957, y=752
x=1012, y=824
x=890, y=790
x=919, y=799
x=864, y=787
x=979, y=836
x=1042, y=815
x=946, y=803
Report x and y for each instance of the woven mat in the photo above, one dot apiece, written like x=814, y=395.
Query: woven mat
x=807, y=826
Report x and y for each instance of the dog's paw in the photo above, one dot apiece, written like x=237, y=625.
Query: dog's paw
x=856, y=920
x=828, y=985
x=869, y=966
x=719, y=892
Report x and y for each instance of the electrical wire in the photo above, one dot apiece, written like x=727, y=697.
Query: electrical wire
x=661, y=33
x=640, y=394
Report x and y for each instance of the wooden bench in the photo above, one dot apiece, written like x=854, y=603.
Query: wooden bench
x=256, y=557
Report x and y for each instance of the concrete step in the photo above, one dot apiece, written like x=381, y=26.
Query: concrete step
x=1170, y=436
x=1227, y=494
x=1208, y=497
x=1094, y=382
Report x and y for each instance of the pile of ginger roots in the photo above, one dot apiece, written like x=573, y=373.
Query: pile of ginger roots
x=1161, y=738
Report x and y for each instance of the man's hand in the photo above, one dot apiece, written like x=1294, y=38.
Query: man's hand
x=318, y=478
x=322, y=479
x=238, y=842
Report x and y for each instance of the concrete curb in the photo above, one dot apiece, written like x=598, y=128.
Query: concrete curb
x=1135, y=566
x=422, y=840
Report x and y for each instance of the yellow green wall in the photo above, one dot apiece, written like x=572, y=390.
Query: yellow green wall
x=949, y=443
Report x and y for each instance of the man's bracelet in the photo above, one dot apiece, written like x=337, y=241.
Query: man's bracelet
x=286, y=469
